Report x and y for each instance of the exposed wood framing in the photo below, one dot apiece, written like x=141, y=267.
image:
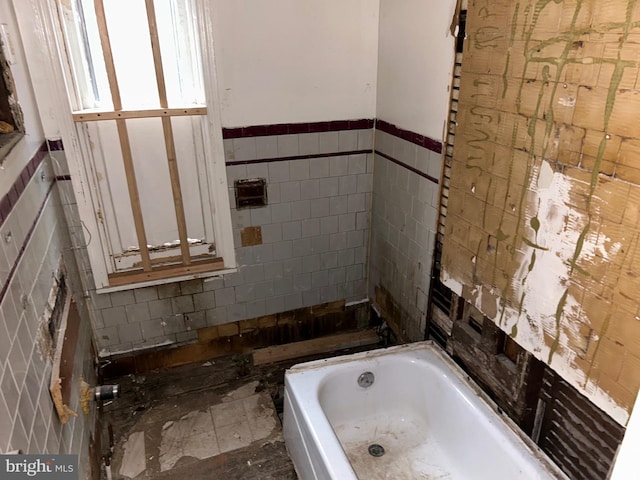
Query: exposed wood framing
x=94, y=116
x=123, y=134
x=166, y=271
x=174, y=174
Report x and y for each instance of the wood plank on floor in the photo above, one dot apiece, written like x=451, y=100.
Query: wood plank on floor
x=278, y=353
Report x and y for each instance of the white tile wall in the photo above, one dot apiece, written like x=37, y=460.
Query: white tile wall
x=403, y=225
x=27, y=417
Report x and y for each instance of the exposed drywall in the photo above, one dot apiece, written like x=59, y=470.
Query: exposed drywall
x=542, y=226
x=415, y=64
x=288, y=61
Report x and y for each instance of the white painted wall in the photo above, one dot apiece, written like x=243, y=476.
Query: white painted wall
x=25, y=149
x=626, y=462
x=415, y=64
x=286, y=61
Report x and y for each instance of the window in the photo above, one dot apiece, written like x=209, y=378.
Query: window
x=11, y=119
x=138, y=86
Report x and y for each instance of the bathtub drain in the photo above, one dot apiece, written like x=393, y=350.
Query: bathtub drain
x=366, y=379
x=376, y=450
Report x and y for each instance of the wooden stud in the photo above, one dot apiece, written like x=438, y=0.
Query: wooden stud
x=93, y=116
x=174, y=173
x=134, y=196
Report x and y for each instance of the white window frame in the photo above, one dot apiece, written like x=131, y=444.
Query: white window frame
x=52, y=97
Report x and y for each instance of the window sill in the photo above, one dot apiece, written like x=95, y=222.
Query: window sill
x=169, y=279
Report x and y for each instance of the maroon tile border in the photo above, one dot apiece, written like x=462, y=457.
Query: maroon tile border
x=290, y=128
x=297, y=157
x=409, y=136
x=13, y=195
x=408, y=167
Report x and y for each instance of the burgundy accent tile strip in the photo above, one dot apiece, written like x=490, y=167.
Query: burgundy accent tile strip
x=408, y=167
x=297, y=157
x=291, y=128
x=55, y=145
x=409, y=136
x=13, y=195
x=23, y=248
x=60, y=178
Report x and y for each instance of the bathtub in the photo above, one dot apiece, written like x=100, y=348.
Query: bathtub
x=417, y=416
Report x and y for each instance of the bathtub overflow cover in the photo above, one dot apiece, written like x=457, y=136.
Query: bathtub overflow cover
x=376, y=450
x=366, y=379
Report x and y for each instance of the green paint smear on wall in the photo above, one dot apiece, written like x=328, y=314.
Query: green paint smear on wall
x=559, y=312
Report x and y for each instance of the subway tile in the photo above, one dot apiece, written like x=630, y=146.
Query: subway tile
x=310, y=189
x=355, y=238
x=266, y=147
x=245, y=148
x=328, y=293
x=233, y=279
x=281, y=212
x=145, y=294
x=329, y=225
x=301, y=247
x=263, y=253
x=310, y=298
x=347, y=140
x=364, y=183
x=263, y=290
x=125, y=297
x=290, y=191
x=291, y=230
x=283, y=286
x=365, y=139
x=362, y=220
x=152, y=328
x=319, y=207
x=225, y=296
x=204, y=301
x=302, y=282
x=245, y=293
x=292, y=266
x=337, y=275
x=299, y=169
x=236, y=312
x=360, y=255
x=311, y=263
x=190, y=287
x=279, y=172
x=190, y=336
x=274, y=305
x=292, y=301
x=160, y=308
x=229, y=153
x=273, y=193
x=288, y=145
x=318, y=167
x=258, y=170
x=328, y=142
x=168, y=290
x=182, y=304
x=138, y=312
x=261, y=216
x=216, y=316
x=272, y=233
x=300, y=210
x=240, y=218
x=309, y=143
x=354, y=272
x=328, y=260
x=282, y=250
x=329, y=187
x=236, y=172
x=320, y=243
x=173, y=324
x=253, y=273
x=357, y=164
x=338, y=241
x=114, y=316
x=357, y=203
x=108, y=336
x=338, y=166
x=338, y=205
x=256, y=309
x=272, y=270
x=130, y=332
x=347, y=184
x=214, y=283
x=310, y=227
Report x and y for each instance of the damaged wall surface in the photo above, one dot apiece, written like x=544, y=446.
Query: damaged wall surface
x=542, y=226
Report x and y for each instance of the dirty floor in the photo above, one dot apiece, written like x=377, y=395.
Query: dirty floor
x=217, y=419
x=211, y=420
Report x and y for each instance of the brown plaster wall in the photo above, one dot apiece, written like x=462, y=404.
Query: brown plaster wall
x=543, y=215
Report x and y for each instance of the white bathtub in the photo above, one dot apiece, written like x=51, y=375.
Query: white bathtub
x=430, y=420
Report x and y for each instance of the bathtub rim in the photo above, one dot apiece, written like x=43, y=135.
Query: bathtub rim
x=323, y=426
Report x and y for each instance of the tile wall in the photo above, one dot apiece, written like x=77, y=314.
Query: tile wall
x=33, y=238
x=404, y=215
x=314, y=248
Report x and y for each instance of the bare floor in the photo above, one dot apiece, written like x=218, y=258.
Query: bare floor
x=211, y=420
